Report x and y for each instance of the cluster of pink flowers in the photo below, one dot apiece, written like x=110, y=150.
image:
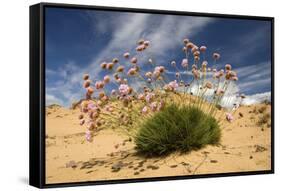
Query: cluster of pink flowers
x=158, y=70
x=148, y=97
x=90, y=117
x=171, y=86
x=142, y=45
x=124, y=89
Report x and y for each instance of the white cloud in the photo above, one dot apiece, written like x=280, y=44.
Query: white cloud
x=66, y=89
x=172, y=30
x=167, y=32
x=52, y=99
x=256, y=70
x=255, y=84
x=254, y=77
x=165, y=36
x=257, y=98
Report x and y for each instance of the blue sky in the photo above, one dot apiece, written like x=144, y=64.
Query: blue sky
x=77, y=41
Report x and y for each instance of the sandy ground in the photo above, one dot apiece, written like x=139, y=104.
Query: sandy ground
x=245, y=146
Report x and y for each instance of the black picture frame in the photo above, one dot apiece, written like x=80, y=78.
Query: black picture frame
x=37, y=95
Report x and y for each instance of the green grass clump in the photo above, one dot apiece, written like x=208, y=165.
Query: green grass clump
x=176, y=128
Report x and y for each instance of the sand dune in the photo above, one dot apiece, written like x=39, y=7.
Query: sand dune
x=245, y=146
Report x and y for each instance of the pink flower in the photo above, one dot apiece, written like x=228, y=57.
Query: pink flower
x=216, y=75
x=90, y=125
x=81, y=116
x=227, y=67
x=126, y=55
x=148, y=74
x=156, y=74
x=134, y=60
x=186, y=40
x=159, y=69
x=124, y=89
x=104, y=98
x=113, y=92
x=204, y=64
x=87, y=83
x=89, y=136
x=93, y=115
x=219, y=92
x=194, y=66
x=196, y=53
x=99, y=85
x=144, y=110
x=119, y=80
x=127, y=98
x=189, y=45
x=115, y=60
x=99, y=103
x=184, y=63
x=88, y=132
x=106, y=79
x=146, y=43
x=109, y=66
x=161, y=105
x=203, y=48
x=91, y=106
x=196, y=58
x=103, y=65
x=196, y=74
x=132, y=71
x=208, y=85
x=194, y=49
x=149, y=97
x=229, y=117
x=230, y=75
x=235, y=78
x=216, y=56
x=108, y=108
x=140, y=42
x=140, y=47
x=153, y=106
x=90, y=90
x=120, y=69
x=83, y=109
x=167, y=87
x=173, y=85
x=141, y=96
x=86, y=76
x=82, y=121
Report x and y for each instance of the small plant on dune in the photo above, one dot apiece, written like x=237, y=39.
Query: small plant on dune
x=262, y=109
x=162, y=114
x=264, y=119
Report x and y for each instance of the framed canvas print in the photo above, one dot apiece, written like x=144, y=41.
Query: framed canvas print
x=124, y=95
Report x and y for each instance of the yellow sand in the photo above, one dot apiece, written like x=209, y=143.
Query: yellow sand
x=245, y=146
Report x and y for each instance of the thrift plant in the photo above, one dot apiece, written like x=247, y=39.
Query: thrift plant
x=138, y=96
